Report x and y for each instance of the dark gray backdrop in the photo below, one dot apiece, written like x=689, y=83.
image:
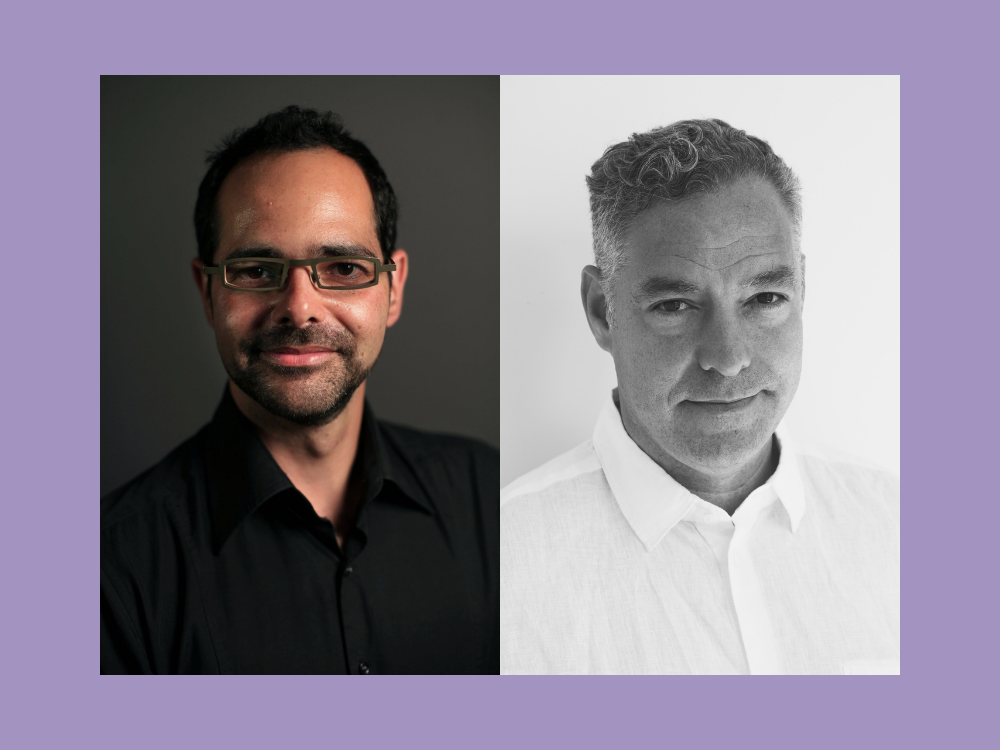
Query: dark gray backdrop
x=437, y=140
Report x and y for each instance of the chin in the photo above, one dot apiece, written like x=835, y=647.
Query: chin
x=720, y=451
x=307, y=412
x=310, y=398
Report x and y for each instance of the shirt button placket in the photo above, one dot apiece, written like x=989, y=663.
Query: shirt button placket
x=354, y=619
x=751, y=611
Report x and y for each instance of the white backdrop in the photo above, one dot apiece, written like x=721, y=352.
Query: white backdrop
x=839, y=134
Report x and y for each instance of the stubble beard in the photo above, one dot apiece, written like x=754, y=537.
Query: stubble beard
x=699, y=441
x=299, y=394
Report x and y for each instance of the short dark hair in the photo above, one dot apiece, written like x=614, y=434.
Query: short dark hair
x=291, y=129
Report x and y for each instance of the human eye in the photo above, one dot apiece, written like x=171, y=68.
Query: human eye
x=769, y=299
x=345, y=269
x=672, y=306
x=252, y=273
x=255, y=272
x=347, y=272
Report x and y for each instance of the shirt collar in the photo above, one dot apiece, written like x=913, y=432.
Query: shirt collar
x=787, y=479
x=243, y=475
x=652, y=501
x=393, y=463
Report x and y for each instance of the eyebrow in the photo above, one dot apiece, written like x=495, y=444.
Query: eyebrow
x=659, y=285
x=777, y=276
x=326, y=251
x=782, y=276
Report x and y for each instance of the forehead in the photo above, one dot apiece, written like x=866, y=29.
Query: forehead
x=297, y=198
x=712, y=232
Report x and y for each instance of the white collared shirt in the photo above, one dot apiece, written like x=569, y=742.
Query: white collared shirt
x=609, y=566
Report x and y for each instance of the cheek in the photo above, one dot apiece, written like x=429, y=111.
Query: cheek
x=236, y=318
x=780, y=352
x=232, y=321
x=650, y=359
x=366, y=319
x=782, y=344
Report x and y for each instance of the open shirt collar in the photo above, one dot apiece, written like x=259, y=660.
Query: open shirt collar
x=652, y=501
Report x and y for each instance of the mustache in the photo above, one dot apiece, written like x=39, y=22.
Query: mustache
x=340, y=340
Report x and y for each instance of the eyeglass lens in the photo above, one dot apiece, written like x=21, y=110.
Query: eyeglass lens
x=333, y=274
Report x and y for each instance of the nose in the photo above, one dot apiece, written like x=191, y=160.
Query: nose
x=299, y=302
x=723, y=347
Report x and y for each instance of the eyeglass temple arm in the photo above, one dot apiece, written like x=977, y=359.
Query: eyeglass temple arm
x=211, y=271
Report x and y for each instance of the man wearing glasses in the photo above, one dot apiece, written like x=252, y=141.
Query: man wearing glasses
x=296, y=533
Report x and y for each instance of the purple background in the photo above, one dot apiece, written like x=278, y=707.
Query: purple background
x=53, y=695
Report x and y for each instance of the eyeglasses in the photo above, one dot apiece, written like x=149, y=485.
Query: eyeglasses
x=270, y=274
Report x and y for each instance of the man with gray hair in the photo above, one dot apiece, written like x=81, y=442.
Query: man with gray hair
x=691, y=534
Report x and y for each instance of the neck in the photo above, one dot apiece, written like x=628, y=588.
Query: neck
x=728, y=488
x=318, y=460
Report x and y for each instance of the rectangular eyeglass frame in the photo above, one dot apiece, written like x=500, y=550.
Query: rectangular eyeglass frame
x=286, y=262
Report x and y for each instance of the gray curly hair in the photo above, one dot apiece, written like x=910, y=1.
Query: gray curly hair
x=671, y=164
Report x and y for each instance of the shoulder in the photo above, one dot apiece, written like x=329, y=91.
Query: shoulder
x=575, y=477
x=148, y=531
x=143, y=512
x=557, y=475
x=450, y=471
x=842, y=476
x=421, y=445
x=556, y=524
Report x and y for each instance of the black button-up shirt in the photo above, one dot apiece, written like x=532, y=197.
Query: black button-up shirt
x=212, y=561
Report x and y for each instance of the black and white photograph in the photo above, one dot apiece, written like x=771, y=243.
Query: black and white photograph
x=699, y=341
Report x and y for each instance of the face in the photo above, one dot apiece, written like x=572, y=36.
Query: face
x=299, y=352
x=707, y=334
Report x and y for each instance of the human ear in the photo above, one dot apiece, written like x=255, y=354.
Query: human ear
x=201, y=280
x=402, y=261
x=595, y=305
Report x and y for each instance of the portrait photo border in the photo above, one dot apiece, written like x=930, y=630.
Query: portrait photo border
x=55, y=696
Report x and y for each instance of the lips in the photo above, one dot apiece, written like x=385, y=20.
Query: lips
x=298, y=356
x=299, y=350
x=731, y=400
x=727, y=407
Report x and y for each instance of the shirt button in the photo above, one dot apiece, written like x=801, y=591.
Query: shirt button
x=363, y=668
x=348, y=570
